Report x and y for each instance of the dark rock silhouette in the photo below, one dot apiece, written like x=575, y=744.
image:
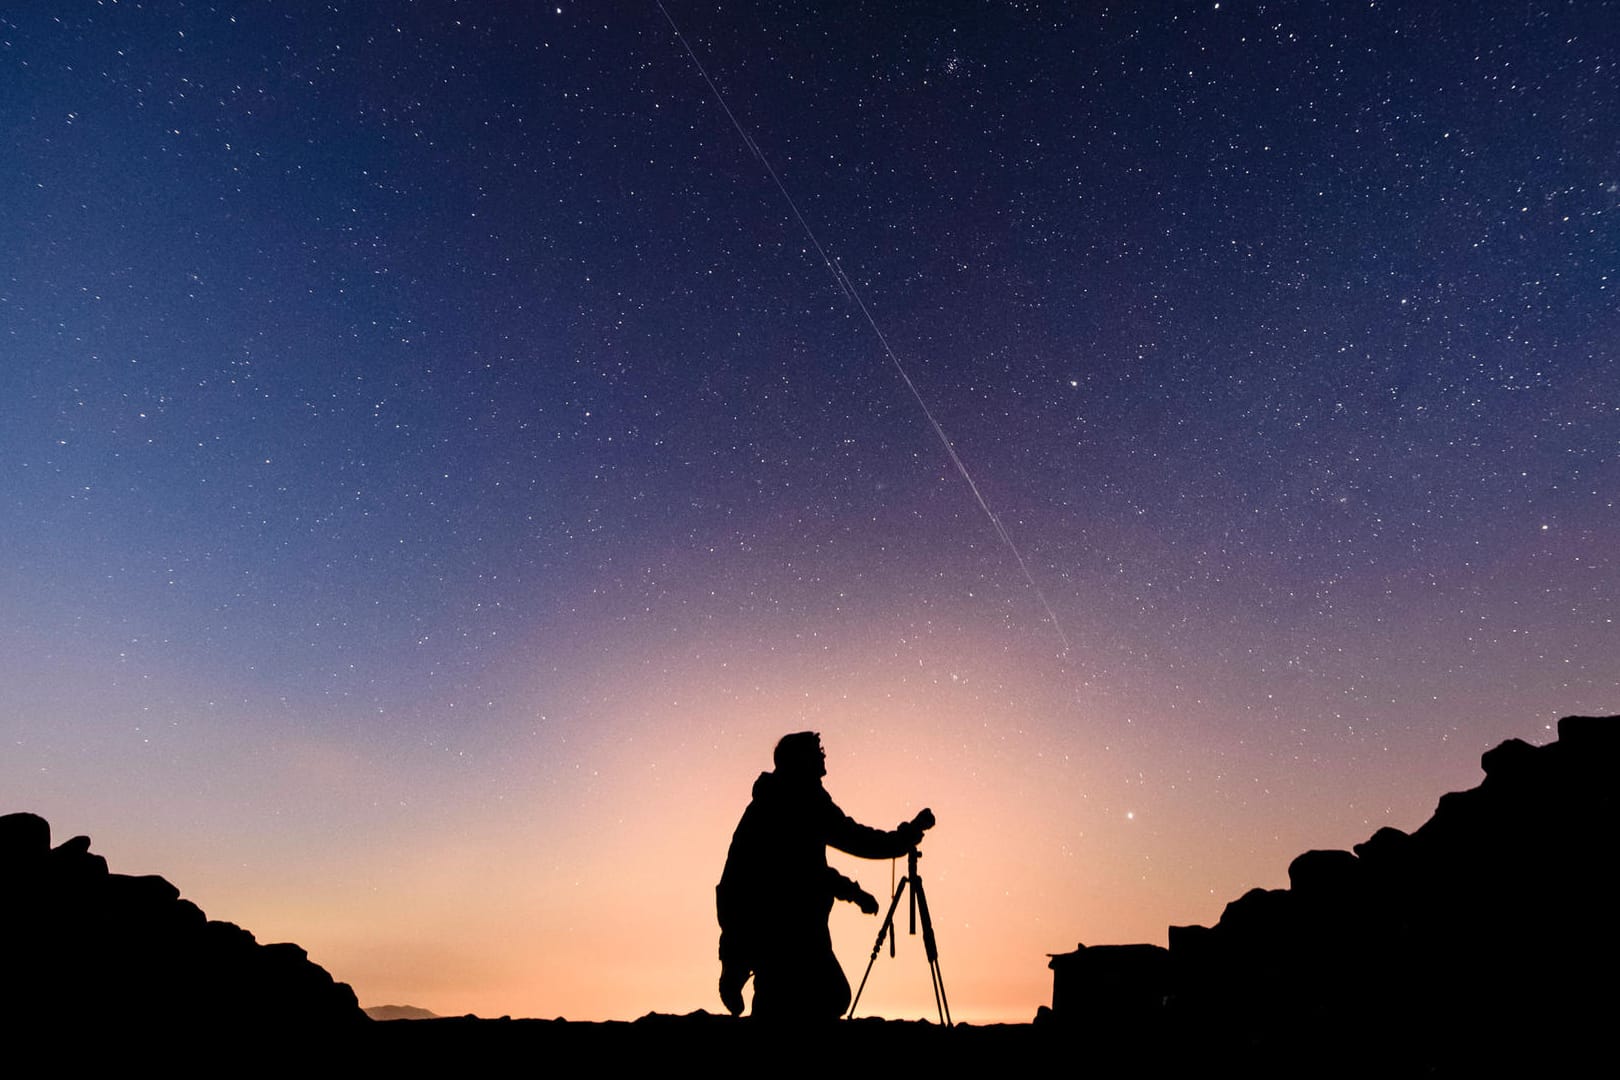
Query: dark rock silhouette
x=1481, y=941
x=84, y=945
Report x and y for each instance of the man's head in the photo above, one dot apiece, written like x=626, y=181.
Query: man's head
x=800, y=754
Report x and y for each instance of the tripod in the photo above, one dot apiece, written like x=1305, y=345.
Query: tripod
x=918, y=900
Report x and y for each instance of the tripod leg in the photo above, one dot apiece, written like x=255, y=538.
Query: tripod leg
x=886, y=929
x=931, y=947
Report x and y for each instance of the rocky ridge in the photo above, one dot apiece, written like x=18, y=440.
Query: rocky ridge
x=83, y=945
x=1483, y=936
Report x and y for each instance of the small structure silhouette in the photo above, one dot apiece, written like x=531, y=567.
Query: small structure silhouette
x=777, y=889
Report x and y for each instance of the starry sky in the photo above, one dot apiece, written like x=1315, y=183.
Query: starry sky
x=436, y=464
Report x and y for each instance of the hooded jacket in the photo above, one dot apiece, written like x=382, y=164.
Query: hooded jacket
x=776, y=879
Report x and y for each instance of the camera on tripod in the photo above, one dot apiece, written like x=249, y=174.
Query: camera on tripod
x=924, y=820
x=918, y=900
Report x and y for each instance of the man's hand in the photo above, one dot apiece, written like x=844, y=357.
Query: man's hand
x=911, y=832
x=866, y=902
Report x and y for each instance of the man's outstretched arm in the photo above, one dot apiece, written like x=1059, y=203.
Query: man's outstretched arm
x=863, y=841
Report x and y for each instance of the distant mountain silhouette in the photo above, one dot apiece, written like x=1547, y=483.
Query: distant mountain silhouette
x=81, y=945
x=1482, y=941
x=400, y=1012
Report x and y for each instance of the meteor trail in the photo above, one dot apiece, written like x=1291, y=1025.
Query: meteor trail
x=847, y=287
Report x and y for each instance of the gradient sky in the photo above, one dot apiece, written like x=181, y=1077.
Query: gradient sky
x=435, y=467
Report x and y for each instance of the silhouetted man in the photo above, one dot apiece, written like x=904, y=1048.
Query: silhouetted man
x=777, y=890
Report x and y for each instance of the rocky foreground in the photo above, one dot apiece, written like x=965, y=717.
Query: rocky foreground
x=1484, y=939
x=1480, y=944
x=89, y=950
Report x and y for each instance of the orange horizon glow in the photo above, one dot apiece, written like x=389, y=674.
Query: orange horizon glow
x=574, y=877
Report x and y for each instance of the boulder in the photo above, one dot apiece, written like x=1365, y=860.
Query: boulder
x=23, y=836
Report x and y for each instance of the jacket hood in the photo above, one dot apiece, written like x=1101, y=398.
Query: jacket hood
x=773, y=785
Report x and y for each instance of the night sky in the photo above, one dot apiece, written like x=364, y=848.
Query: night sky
x=436, y=465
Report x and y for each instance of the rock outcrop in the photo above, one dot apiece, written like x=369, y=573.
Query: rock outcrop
x=1481, y=938
x=85, y=948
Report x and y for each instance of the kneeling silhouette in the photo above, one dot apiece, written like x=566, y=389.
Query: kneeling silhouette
x=777, y=889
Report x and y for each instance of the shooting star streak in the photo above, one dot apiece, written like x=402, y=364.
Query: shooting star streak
x=847, y=287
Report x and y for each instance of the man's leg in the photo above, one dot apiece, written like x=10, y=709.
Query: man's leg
x=790, y=978
x=832, y=988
